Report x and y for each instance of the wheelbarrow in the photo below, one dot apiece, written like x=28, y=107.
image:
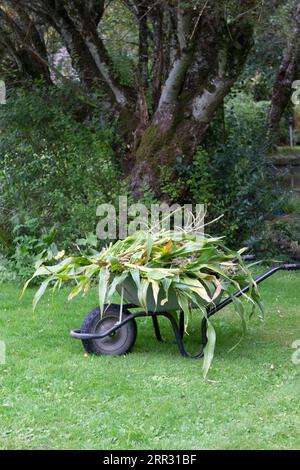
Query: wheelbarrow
x=112, y=334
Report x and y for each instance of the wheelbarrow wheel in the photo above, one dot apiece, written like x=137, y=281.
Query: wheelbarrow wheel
x=118, y=343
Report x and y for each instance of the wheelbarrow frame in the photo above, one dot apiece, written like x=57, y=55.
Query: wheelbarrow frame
x=178, y=325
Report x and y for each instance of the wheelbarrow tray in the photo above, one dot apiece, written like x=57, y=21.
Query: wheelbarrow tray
x=172, y=305
x=109, y=335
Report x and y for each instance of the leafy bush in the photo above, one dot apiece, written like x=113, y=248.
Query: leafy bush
x=284, y=234
x=292, y=205
x=56, y=163
x=193, y=182
x=233, y=175
x=7, y=270
x=29, y=246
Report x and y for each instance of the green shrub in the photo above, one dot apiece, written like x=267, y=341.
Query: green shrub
x=292, y=205
x=56, y=164
x=29, y=246
x=192, y=182
x=233, y=176
x=7, y=270
x=280, y=239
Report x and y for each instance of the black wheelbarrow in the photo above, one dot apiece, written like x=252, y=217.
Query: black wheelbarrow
x=112, y=334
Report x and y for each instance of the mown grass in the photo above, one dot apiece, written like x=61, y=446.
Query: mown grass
x=53, y=396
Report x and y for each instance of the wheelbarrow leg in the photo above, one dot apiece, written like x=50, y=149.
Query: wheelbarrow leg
x=156, y=328
x=204, y=332
x=181, y=323
x=178, y=336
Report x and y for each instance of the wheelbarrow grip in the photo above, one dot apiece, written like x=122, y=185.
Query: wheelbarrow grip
x=248, y=257
x=245, y=258
x=261, y=278
x=291, y=267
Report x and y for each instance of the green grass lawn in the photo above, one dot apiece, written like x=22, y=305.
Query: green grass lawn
x=53, y=396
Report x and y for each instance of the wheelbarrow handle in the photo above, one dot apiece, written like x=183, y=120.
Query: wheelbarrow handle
x=245, y=258
x=291, y=267
x=248, y=257
x=258, y=280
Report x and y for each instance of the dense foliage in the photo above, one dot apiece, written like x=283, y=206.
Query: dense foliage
x=233, y=175
x=57, y=165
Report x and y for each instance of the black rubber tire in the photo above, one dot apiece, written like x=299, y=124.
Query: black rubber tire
x=120, y=343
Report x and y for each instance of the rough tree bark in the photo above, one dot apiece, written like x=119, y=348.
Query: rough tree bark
x=25, y=43
x=202, y=74
x=287, y=74
x=82, y=15
x=81, y=59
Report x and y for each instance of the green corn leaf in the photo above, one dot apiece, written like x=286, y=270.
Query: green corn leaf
x=183, y=302
x=150, y=243
x=200, y=291
x=239, y=308
x=40, y=292
x=209, y=348
x=79, y=287
x=103, y=285
x=166, y=283
x=142, y=294
x=155, y=290
x=115, y=283
x=135, y=274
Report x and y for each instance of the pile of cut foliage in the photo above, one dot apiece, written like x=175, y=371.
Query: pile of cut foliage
x=198, y=269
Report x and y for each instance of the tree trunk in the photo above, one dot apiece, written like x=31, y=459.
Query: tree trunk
x=86, y=26
x=29, y=48
x=162, y=144
x=81, y=59
x=287, y=74
x=186, y=108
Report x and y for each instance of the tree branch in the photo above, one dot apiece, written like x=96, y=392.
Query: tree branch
x=173, y=85
x=287, y=73
x=29, y=42
x=86, y=26
x=143, y=45
x=231, y=60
